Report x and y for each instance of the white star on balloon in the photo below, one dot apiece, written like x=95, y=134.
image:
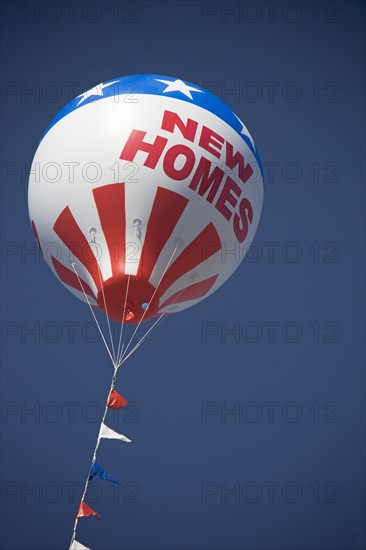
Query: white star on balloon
x=244, y=130
x=97, y=90
x=179, y=86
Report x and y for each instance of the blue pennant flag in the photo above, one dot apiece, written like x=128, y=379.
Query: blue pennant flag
x=97, y=471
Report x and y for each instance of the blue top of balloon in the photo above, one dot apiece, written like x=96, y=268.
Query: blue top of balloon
x=155, y=84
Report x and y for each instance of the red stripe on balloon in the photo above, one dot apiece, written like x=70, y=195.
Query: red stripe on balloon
x=193, y=292
x=166, y=211
x=200, y=249
x=110, y=203
x=35, y=233
x=72, y=236
x=69, y=277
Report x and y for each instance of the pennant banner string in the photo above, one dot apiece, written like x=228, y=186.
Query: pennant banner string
x=116, y=364
x=113, y=381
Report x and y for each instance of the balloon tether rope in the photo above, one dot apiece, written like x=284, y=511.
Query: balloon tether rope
x=95, y=318
x=106, y=313
x=124, y=312
x=147, y=308
x=162, y=316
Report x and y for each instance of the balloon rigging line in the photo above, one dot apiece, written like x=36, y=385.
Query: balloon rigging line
x=141, y=340
x=122, y=331
x=107, y=316
x=124, y=311
x=151, y=299
x=162, y=316
x=91, y=309
x=60, y=190
x=113, y=381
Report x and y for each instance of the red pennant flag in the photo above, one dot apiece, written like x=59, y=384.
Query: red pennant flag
x=85, y=511
x=116, y=401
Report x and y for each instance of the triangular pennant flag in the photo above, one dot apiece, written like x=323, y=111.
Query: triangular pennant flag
x=111, y=434
x=97, y=471
x=85, y=511
x=78, y=546
x=116, y=401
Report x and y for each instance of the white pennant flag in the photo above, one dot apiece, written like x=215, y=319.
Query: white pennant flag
x=77, y=546
x=111, y=434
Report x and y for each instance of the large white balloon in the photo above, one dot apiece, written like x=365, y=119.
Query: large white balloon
x=148, y=184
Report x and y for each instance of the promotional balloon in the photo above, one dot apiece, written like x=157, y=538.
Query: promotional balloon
x=144, y=195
